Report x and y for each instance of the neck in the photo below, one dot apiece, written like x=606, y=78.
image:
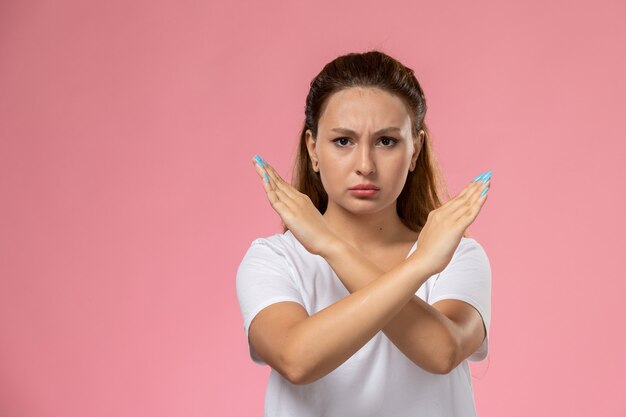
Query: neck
x=365, y=230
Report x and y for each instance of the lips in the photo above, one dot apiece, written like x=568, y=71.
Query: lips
x=365, y=187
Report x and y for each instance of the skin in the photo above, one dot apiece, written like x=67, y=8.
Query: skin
x=367, y=223
x=366, y=245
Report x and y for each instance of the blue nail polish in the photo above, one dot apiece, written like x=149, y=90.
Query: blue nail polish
x=259, y=161
x=266, y=178
x=478, y=177
x=484, y=192
x=486, y=177
x=264, y=162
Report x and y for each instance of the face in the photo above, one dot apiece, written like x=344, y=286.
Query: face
x=364, y=137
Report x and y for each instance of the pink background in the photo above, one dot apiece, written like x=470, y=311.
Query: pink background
x=128, y=197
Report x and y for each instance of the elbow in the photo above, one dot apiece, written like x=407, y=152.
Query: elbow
x=298, y=379
x=448, y=360
x=298, y=375
x=447, y=366
x=294, y=371
x=295, y=376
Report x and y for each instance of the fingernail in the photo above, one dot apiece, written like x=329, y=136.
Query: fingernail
x=478, y=177
x=264, y=161
x=484, y=192
x=487, y=176
x=266, y=178
x=257, y=158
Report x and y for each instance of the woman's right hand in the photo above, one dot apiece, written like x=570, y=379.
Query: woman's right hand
x=296, y=210
x=442, y=233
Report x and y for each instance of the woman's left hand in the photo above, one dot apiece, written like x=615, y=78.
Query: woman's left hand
x=296, y=210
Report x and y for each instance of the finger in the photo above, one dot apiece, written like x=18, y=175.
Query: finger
x=475, y=186
x=274, y=196
x=475, y=194
x=280, y=183
x=467, y=190
x=469, y=212
x=271, y=171
x=275, y=192
x=467, y=199
x=463, y=199
x=472, y=214
x=458, y=200
x=267, y=182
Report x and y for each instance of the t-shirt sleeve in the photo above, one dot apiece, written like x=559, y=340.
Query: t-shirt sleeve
x=468, y=278
x=264, y=277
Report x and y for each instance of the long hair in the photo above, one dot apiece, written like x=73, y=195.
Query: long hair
x=425, y=186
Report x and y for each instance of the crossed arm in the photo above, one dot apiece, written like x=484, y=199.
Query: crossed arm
x=305, y=348
x=302, y=348
x=437, y=338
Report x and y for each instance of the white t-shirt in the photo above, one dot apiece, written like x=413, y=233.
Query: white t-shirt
x=378, y=380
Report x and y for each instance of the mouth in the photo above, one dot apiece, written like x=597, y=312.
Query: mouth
x=365, y=187
x=363, y=192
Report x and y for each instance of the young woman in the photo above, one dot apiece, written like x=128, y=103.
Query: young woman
x=373, y=299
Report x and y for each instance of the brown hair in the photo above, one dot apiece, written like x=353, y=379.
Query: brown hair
x=425, y=185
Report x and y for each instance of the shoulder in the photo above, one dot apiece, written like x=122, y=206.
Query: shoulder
x=467, y=271
x=267, y=259
x=468, y=246
x=279, y=247
x=470, y=252
x=279, y=243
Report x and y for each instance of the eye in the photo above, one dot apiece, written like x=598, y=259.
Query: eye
x=336, y=141
x=387, y=138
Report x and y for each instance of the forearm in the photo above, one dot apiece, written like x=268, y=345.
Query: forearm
x=419, y=330
x=325, y=340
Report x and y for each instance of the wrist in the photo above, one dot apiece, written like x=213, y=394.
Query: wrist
x=333, y=246
x=421, y=263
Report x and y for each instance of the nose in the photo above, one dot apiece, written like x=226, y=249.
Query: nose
x=365, y=163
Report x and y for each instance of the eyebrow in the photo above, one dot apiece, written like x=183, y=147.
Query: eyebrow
x=345, y=131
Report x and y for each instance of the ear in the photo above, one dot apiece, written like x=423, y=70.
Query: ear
x=418, y=143
x=310, y=144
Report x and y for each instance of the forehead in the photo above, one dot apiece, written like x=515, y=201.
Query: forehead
x=358, y=106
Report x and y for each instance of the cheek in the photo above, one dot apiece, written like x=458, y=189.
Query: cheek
x=399, y=161
x=331, y=178
x=327, y=175
x=334, y=165
x=398, y=172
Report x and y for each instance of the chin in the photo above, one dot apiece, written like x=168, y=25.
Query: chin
x=365, y=206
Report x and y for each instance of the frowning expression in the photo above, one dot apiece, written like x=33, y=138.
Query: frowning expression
x=364, y=137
